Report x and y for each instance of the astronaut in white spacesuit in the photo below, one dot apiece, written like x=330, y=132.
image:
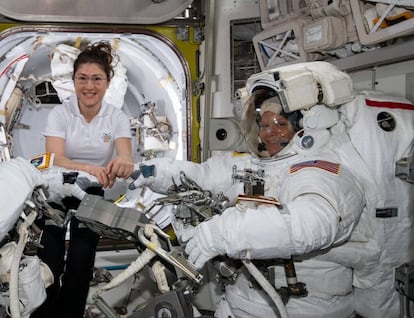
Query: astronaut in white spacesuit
x=18, y=179
x=320, y=181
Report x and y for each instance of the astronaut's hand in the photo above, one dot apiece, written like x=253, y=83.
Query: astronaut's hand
x=57, y=189
x=183, y=232
x=73, y=190
x=206, y=243
x=143, y=176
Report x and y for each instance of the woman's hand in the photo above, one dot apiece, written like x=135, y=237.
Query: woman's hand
x=121, y=167
x=101, y=174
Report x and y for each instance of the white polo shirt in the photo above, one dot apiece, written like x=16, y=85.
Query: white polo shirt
x=88, y=142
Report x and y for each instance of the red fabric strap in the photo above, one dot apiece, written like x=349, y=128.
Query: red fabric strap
x=388, y=104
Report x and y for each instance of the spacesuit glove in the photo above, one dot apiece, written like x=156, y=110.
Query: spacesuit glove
x=142, y=176
x=183, y=232
x=57, y=190
x=84, y=182
x=73, y=190
x=206, y=243
x=156, y=174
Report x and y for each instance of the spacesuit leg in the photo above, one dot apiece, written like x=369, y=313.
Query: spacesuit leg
x=226, y=310
x=244, y=300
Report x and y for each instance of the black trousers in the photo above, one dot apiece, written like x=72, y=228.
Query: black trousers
x=67, y=296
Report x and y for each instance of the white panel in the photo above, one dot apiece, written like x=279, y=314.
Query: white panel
x=94, y=11
x=226, y=11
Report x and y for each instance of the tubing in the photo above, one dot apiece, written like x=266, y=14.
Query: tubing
x=135, y=266
x=14, y=271
x=267, y=287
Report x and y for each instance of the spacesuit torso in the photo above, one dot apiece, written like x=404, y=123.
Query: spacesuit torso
x=377, y=241
x=388, y=147
x=312, y=174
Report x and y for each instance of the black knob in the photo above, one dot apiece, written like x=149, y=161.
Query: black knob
x=221, y=134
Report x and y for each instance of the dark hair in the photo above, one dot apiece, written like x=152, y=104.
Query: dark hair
x=99, y=53
x=295, y=118
x=264, y=93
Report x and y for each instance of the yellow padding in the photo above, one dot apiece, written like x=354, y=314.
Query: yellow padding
x=152, y=246
x=78, y=42
x=115, y=45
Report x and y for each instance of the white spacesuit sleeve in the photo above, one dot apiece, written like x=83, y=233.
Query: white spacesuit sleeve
x=18, y=178
x=57, y=190
x=266, y=232
x=261, y=233
x=322, y=209
x=339, y=194
x=213, y=174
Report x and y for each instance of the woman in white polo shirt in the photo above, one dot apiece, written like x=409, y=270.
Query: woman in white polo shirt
x=85, y=133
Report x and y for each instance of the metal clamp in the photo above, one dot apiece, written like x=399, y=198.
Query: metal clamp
x=173, y=257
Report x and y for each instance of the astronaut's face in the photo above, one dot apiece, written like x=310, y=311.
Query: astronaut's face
x=90, y=85
x=275, y=132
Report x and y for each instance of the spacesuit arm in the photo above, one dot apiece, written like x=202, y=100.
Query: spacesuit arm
x=18, y=178
x=263, y=233
x=320, y=212
x=214, y=174
x=57, y=189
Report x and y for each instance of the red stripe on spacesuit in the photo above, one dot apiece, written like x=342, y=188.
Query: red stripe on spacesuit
x=394, y=105
x=18, y=59
x=320, y=164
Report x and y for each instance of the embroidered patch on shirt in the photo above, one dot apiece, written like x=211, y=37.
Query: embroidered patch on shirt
x=107, y=138
x=320, y=164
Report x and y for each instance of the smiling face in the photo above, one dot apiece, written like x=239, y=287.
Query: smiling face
x=275, y=132
x=91, y=83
